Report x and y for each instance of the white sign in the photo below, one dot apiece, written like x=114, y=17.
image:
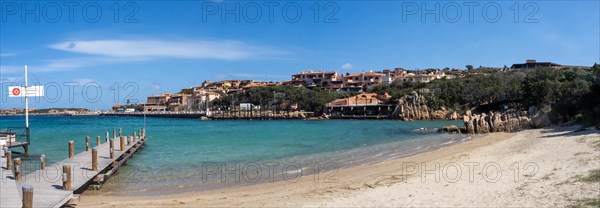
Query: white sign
x=31, y=91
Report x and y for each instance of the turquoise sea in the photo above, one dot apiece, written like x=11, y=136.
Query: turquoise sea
x=191, y=155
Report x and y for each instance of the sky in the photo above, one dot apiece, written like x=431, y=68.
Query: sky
x=94, y=54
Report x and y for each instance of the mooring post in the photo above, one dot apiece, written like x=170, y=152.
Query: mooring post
x=122, y=143
x=17, y=171
x=8, y=160
x=134, y=135
x=114, y=134
x=87, y=143
x=95, y=159
x=120, y=132
x=27, y=196
x=112, y=148
x=71, y=149
x=144, y=133
x=98, y=140
x=140, y=134
x=107, y=136
x=42, y=161
x=66, y=177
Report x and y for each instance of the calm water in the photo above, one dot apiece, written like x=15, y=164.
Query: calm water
x=188, y=154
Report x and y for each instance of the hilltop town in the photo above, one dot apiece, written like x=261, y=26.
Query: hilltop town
x=358, y=89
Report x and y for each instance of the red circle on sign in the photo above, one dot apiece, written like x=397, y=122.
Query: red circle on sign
x=16, y=91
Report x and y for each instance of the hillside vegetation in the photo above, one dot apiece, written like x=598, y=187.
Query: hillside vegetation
x=568, y=94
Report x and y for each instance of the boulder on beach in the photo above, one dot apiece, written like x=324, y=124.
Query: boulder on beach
x=450, y=129
x=469, y=126
x=540, y=120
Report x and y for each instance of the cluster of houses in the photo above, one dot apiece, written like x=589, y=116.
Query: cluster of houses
x=361, y=81
x=198, y=97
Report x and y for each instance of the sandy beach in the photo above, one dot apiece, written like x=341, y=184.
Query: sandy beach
x=541, y=167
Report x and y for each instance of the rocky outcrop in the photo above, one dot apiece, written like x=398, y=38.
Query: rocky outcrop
x=450, y=129
x=414, y=107
x=297, y=115
x=438, y=114
x=452, y=116
x=540, y=120
x=496, y=122
x=321, y=117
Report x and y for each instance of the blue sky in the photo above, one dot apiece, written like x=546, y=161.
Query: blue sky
x=162, y=46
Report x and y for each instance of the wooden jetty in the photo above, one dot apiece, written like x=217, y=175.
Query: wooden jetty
x=16, y=137
x=61, y=183
x=9, y=192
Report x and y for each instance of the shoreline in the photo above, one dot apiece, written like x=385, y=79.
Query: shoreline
x=354, y=186
x=305, y=170
x=348, y=174
x=299, y=167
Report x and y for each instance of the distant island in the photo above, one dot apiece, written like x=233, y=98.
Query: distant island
x=46, y=111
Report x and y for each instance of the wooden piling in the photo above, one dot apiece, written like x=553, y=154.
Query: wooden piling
x=71, y=149
x=17, y=169
x=66, y=178
x=134, y=135
x=114, y=134
x=107, y=138
x=8, y=159
x=87, y=143
x=43, y=161
x=60, y=191
x=122, y=143
x=98, y=141
x=112, y=148
x=120, y=132
x=95, y=159
x=27, y=196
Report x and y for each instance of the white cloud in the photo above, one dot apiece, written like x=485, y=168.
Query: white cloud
x=68, y=64
x=347, y=66
x=7, y=54
x=183, y=49
x=156, y=87
x=51, y=66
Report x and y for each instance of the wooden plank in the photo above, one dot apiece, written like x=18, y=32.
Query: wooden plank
x=47, y=182
x=9, y=192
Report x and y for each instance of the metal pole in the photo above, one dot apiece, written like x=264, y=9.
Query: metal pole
x=26, y=101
